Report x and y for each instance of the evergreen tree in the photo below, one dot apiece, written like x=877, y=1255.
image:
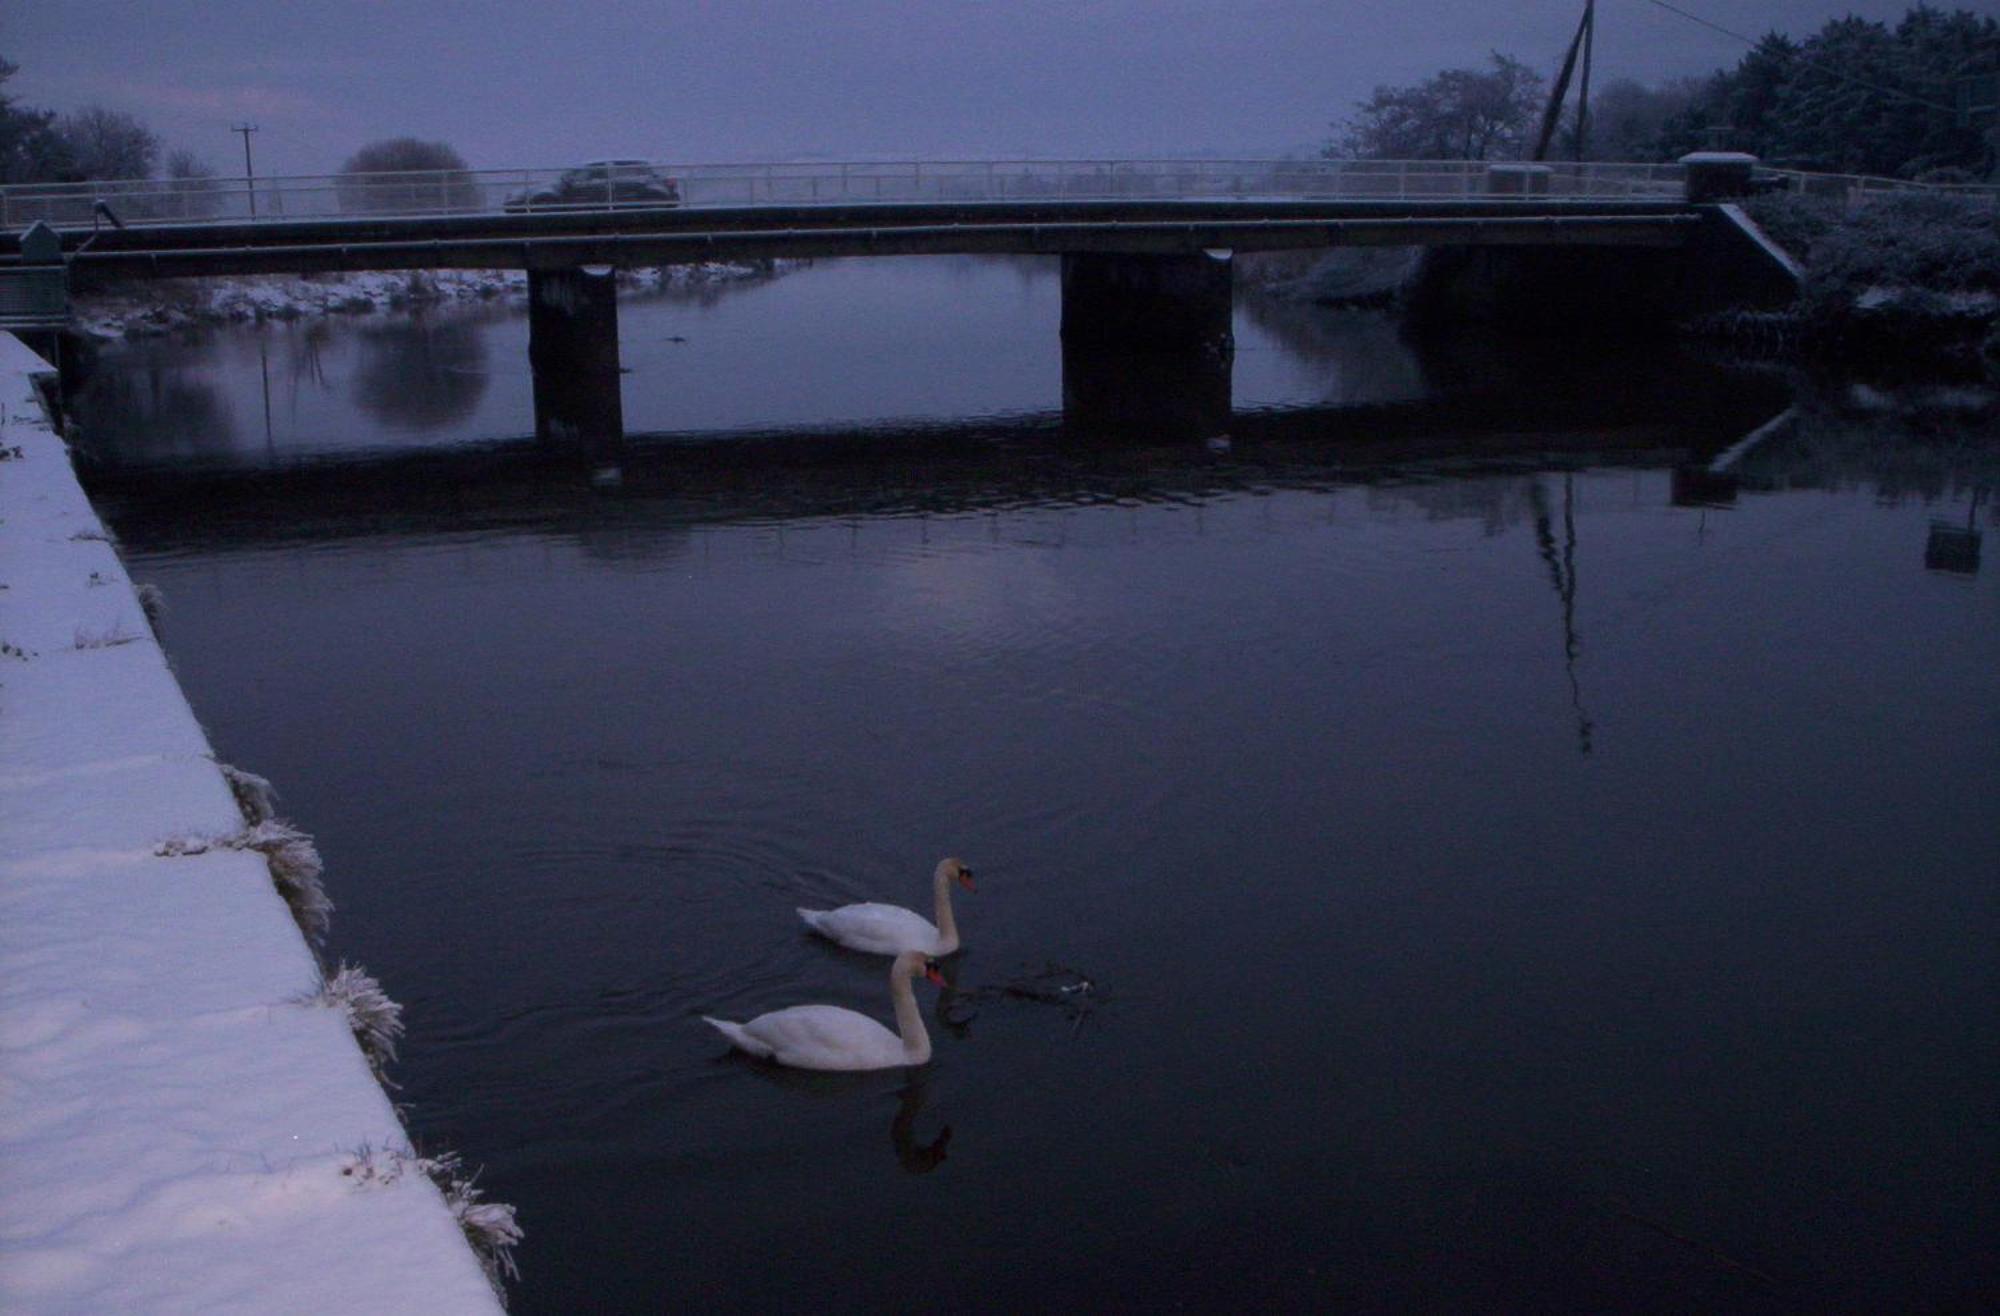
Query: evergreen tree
x=1855, y=97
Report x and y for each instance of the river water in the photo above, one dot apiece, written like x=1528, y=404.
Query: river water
x=1516, y=830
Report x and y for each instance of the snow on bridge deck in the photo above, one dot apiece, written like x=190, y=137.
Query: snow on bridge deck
x=179, y=1121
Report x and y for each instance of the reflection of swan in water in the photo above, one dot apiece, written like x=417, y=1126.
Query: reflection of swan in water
x=913, y=1156
x=891, y=929
x=833, y=1037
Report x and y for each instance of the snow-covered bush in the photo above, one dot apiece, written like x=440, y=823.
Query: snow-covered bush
x=255, y=795
x=295, y=870
x=490, y=1227
x=1924, y=242
x=1793, y=221
x=375, y=1020
x=292, y=858
x=153, y=602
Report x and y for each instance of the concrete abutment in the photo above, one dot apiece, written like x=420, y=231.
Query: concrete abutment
x=1726, y=264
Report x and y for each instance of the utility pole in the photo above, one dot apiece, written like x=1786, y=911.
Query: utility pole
x=1583, y=91
x=249, y=174
x=1552, y=113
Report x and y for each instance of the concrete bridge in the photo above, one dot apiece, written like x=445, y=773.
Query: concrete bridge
x=1146, y=246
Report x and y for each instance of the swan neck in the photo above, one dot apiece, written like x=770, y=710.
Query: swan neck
x=947, y=922
x=909, y=1020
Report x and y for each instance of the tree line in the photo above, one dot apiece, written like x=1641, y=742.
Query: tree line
x=1857, y=96
x=97, y=143
x=41, y=146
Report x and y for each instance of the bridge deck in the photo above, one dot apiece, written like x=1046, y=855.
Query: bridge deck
x=691, y=234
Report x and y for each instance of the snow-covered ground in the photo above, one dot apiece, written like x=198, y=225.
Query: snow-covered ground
x=187, y=1123
x=147, y=309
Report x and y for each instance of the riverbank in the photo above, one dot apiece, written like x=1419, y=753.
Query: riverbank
x=187, y=1120
x=150, y=309
x=1909, y=281
x=1904, y=278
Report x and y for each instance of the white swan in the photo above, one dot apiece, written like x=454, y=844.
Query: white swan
x=833, y=1037
x=891, y=929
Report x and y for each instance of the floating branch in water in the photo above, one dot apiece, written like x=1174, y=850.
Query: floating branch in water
x=1053, y=984
x=1625, y=1211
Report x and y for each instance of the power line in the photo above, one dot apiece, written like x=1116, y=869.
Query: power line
x=1809, y=63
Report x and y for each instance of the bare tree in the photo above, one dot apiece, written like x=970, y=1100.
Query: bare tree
x=105, y=143
x=30, y=151
x=1459, y=114
x=404, y=173
x=1628, y=120
x=192, y=189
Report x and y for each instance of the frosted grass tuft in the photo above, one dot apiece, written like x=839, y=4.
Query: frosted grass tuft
x=376, y=1020
x=255, y=795
x=489, y=1227
x=153, y=602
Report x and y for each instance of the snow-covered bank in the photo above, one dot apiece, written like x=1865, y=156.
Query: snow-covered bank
x=187, y=1123
x=144, y=309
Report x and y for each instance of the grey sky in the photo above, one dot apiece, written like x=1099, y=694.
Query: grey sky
x=522, y=82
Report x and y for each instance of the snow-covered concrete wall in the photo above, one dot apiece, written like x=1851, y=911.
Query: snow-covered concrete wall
x=183, y=1126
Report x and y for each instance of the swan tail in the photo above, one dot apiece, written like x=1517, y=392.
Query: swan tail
x=811, y=918
x=738, y=1038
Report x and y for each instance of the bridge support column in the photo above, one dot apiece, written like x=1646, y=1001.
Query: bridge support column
x=1147, y=345
x=1717, y=175
x=1164, y=395
x=573, y=351
x=1131, y=302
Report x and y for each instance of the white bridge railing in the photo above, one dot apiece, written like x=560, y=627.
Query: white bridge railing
x=630, y=186
x=635, y=185
x=1854, y=189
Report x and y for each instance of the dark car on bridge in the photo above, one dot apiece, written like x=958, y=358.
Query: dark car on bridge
x=599, y=184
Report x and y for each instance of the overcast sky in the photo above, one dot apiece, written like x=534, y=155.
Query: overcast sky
x=514, y=83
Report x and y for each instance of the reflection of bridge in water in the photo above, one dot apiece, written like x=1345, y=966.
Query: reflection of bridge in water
x=649, y=486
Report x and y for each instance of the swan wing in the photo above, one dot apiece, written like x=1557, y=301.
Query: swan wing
x=825, y=1037
x=876, y=929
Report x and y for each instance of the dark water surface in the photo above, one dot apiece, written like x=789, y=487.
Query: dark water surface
x=1517, y=867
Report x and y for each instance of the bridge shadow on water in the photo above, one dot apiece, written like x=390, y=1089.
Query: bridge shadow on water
x=1136, y=438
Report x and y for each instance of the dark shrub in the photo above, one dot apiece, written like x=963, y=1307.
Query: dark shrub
x=1928, y=243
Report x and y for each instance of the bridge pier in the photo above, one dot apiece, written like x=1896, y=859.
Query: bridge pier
x=1147, y=344
x=1131, y=301
x=1164, y=395
x=573, y=351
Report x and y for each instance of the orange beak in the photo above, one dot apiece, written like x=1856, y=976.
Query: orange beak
x=965, y=879
x=936, y=975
